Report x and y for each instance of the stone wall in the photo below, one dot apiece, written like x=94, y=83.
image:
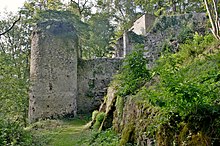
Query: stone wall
x=53, y=70
x=61, y=83
x=142, y=25
x=167, y=29
x=132, y=115
x=94, y=77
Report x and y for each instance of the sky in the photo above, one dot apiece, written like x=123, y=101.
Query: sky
x=10, y=5
x=14, y=5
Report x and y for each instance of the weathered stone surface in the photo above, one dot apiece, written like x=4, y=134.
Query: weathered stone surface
x=142, y=25
x=53, y=70
x=166, y=29
x=59, y=83
x=94, y=77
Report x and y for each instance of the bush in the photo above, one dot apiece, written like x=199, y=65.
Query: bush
x=134, y=72
x=188, y=93
x=103, y=138
x=12, y=133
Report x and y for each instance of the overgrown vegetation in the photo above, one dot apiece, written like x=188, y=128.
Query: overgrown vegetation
x=134, y=72
x=175, y=103
x=183, y=94
x=63, y=132
x=12, y=133
x=68, y=132
x=188, y=91
x=102, y=138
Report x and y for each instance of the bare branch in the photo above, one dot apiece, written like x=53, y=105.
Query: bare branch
x=80, y=8
x=214, y=21
x=3, y=33
x=83, y=7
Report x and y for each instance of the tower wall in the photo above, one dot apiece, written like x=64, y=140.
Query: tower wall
x=53, y=71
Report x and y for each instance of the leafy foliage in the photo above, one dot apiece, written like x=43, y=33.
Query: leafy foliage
x=100, y=33
x=187, y=91
x=14, y=73
x=11, y=133
x=103, y=138
x=179, y=103
x=134, y=72
x=184, y=81
x=160, y=7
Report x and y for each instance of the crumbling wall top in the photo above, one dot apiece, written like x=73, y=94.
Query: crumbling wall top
x=56, y=28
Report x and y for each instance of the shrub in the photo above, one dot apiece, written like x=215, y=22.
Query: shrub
x=12, y=133
x=134, y=72
x=188, y=92
x=104, y=138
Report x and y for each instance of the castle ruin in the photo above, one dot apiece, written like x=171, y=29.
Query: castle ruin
x=61, y=83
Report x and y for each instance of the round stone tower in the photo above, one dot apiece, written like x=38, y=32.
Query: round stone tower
x=53, y=70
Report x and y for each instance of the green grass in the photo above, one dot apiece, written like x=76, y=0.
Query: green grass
x=67, y=132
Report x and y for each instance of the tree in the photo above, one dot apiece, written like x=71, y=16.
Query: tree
x=13, y=24
x=100, y=34
x=212, y=10
x=80, y=7
x=120, y=11
x=14, y=69
x=159, y=7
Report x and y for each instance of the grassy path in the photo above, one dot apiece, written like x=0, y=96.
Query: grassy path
x=61, y=132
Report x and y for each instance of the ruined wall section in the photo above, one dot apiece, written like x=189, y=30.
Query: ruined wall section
x=94, y=77
x=53, y=71
x=167, y=29
x=142, y=25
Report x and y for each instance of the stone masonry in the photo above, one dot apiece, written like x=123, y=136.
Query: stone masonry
x=168, y=29
x=53, y=71
x=94, y=77
x=61, y=83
